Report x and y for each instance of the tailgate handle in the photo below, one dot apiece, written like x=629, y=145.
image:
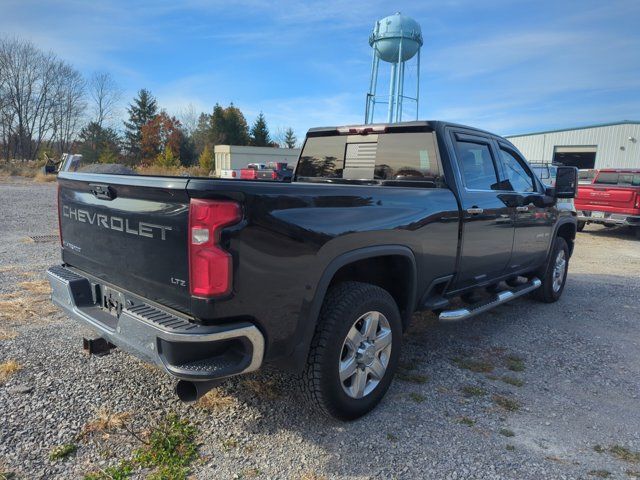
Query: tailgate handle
x=104, y=192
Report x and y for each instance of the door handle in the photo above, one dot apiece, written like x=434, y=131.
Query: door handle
x=475, y=210
x=522, y=209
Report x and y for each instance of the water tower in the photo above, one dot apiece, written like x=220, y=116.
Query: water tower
x=395, y=39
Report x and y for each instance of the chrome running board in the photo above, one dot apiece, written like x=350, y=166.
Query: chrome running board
x=498, y=299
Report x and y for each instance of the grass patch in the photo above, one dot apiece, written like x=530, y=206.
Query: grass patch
x=514, y=363
x=510, y=447
x=391, y=437
x=599, y=473
x=312, y=476
x=7, y=335
x=411, y=377
x=31, y=301
x=119, y=472
x=417, y=397
x=516, y=382
x=507, y=403
x=44, y=178
x=623, y=453
x=250, y=472
x=471, y=391
x=7, y=369
x=62, y=451
x=506, y=432
x=106, y=421
x=170, y=449
x=215, y=400
x=474, y=365
x=263, y=388
x=630, y=473
x=37, y=287
x=469, y=422
x=229, y=443
x=599, y=449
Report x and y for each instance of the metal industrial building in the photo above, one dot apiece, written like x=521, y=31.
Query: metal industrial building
x=610, y=145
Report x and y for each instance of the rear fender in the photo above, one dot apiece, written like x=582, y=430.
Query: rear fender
x=309, y=313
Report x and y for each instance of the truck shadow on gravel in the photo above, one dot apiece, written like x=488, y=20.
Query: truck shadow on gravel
x=494, y=381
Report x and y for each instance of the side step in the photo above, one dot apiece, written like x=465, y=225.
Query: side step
x=499, y=299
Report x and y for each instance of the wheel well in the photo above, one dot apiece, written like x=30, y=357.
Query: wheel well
x=568, y=232
x=394, y=273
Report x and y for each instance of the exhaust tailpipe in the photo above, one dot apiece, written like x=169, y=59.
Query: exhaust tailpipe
x=190, y=392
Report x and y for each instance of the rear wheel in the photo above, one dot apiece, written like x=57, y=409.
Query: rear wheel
x=581, y=225
x=354, y=352
x=637, y=232
x=555, y=274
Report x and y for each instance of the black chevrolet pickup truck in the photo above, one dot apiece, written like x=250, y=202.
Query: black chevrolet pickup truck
x=211, y=278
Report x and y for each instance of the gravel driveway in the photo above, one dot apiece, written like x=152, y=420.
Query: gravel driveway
x=527, y=391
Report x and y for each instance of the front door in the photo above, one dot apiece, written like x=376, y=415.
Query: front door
x=487, y=224
x=533, y=219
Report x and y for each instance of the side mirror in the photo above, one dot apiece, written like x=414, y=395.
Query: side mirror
x=566, y=182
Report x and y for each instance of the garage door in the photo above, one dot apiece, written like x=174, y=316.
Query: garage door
x=583, y=156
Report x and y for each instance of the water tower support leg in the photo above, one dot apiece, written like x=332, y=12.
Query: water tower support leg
x=399, y=79
x=392, y=90
x=418, y=88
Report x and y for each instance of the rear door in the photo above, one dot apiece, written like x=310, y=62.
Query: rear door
x=130, y=231
x=487, y=230
x=533, y=220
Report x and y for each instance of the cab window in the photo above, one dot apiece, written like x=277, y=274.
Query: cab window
x=518, y=176
x=476, y=166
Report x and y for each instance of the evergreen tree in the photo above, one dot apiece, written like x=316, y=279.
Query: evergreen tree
x=290, y=139
x=200, y=136
x=94, y=140
x=236, y=128
x=260, y=132
x=217, y=126
x=143, y=109
x=167, y=159
x=206, y=159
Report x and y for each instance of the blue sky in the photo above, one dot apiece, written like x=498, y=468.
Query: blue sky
x=509, y=67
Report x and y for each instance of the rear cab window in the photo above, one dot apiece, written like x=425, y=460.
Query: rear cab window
x=398, y=158
x=618, y=178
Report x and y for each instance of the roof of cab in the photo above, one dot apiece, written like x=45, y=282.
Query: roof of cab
x=418, y=125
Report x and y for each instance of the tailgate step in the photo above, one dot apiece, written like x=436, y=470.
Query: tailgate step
x=498, y=299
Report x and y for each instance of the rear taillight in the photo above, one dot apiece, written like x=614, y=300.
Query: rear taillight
x=274, y=175
x=210, y=267
x=233, y=174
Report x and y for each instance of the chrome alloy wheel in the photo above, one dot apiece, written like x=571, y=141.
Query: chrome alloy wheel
x=559, y=269
x=365, y=354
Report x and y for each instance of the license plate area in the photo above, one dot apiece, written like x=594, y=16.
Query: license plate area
x=111, y=301
x=597, y=214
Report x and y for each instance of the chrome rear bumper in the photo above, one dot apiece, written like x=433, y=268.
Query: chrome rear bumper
x=185, y=349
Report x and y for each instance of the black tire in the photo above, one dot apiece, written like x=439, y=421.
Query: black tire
x=637, y=232
x=547, y=293
x=581, y=225
x=320, y=383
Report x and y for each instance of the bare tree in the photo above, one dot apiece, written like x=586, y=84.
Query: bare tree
x=105, y=95
x=69, y=106
x=188, y=117
x=40, y=99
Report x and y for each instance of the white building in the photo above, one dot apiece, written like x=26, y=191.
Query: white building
x=235, y=157
x=614, y=145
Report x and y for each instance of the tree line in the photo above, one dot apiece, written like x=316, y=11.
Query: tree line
x=46, y=105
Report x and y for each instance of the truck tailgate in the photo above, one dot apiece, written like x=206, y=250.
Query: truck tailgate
x=129, y=231
x=609, y=199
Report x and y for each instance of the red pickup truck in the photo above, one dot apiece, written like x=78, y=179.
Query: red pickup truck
x=612, y=199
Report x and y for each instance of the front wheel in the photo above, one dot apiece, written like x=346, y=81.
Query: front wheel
x=555, y=274
x=354, y=352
